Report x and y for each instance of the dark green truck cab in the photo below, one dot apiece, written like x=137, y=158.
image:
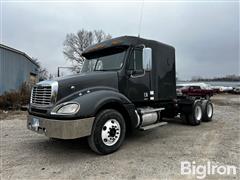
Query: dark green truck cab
x=126, y=83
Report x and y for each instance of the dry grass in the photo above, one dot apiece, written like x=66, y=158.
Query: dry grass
x=14, y=100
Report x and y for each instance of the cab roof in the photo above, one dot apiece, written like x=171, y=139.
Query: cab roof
x=123, y=41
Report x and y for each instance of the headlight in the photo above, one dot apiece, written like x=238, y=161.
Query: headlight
x=66, y=108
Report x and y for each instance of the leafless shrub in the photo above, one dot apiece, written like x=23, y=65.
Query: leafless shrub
x=14, y=100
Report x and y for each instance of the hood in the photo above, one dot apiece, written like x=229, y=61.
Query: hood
x=70, y=84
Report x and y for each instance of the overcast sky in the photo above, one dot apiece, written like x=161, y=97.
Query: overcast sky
x=205, y=34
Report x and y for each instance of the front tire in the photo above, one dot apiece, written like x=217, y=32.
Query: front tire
x=108, y=132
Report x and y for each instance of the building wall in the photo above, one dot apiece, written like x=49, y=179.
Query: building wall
x=15, y=69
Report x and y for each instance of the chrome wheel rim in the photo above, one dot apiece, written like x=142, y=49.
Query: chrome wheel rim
x=198, y=113
x=209, y=110
x=111, y=131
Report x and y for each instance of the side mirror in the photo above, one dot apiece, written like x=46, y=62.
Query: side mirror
x=147, y=59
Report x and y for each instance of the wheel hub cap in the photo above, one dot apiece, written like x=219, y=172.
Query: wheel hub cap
x=111, y=132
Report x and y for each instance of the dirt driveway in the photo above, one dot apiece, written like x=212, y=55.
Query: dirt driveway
x=154, y=154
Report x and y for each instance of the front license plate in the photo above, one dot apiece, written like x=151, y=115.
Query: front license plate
x=35, y=122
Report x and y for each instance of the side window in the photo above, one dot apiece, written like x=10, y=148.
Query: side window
x=135, y=61
x=195, y=87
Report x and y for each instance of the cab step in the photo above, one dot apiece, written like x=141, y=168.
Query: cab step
x=151, y=126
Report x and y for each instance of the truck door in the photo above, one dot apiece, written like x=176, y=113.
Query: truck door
x=138, y=84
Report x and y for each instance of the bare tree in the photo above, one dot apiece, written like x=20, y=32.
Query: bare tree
x=75, y=44
x=51, y=76
x=42, y=72
x=100, y=36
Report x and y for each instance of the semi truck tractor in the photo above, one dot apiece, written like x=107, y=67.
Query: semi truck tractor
x=126, y=83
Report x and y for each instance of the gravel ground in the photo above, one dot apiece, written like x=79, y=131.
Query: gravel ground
x=154, y=154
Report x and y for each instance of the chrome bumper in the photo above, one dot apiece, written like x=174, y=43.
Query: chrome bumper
x=61, y=129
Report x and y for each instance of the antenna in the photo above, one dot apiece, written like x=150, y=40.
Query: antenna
x=140, y=20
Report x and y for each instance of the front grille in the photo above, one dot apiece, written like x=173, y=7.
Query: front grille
x=41, y=95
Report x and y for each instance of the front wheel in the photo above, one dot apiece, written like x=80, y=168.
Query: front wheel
x=108, y=132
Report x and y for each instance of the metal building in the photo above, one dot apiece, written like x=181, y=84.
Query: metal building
x=16, y=68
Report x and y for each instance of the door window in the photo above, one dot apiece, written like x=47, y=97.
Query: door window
x=195, y=87
x=135, y=61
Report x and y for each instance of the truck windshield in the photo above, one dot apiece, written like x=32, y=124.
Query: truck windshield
x=108, y=62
